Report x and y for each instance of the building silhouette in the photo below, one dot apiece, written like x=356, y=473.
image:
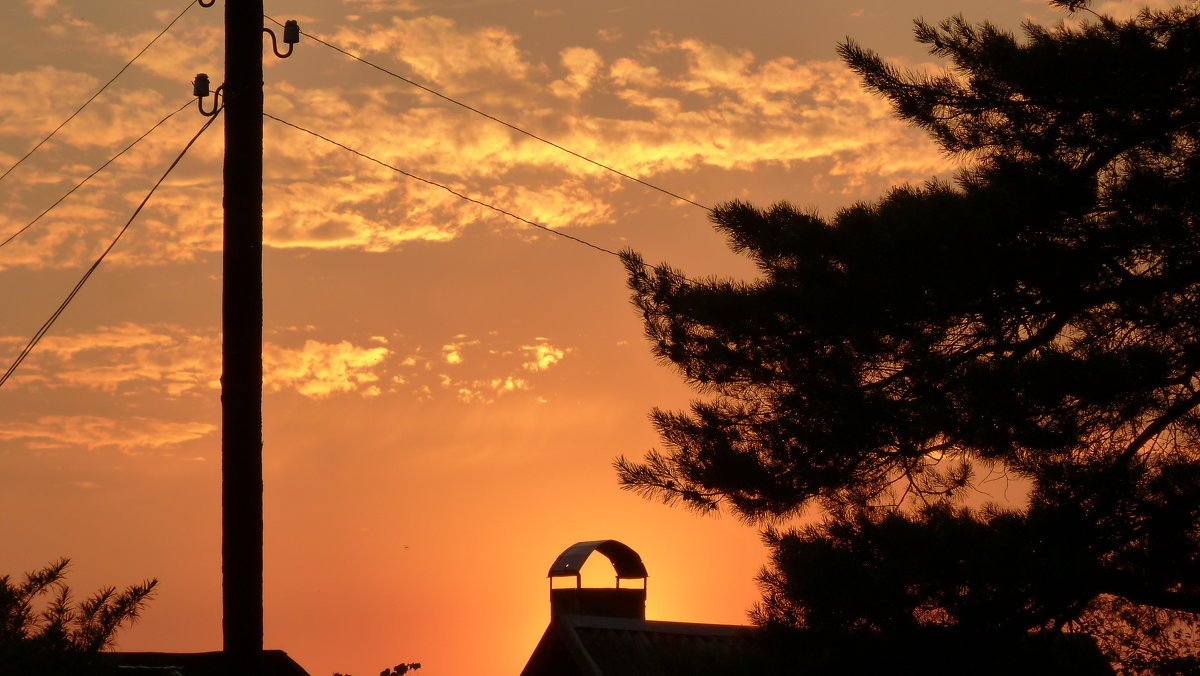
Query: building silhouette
x=604, y=631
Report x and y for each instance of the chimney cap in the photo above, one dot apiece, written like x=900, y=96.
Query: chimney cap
x=625, y=561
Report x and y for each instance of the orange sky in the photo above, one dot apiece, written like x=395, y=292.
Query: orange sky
x=445, y=388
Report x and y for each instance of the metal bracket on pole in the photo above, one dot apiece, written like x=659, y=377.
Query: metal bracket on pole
x=200, y=89
x=291, y=35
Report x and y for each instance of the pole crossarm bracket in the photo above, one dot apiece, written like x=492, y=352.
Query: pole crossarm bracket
x=200, y=89
x=291, y=35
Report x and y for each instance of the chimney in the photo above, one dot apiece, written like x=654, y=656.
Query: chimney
x=605, y=602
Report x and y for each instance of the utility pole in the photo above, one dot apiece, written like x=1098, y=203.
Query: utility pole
x=242, y=311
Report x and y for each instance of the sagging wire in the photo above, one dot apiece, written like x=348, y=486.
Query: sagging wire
x=498, y=120
x=443, y=187
x=99, y=91
x=93, y=174
x=45, y=327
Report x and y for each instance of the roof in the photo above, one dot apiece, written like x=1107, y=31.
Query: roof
x=275, y=663
x=587, y=645
x=625, y=561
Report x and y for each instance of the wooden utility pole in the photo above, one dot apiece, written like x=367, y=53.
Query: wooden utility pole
x=242, y=310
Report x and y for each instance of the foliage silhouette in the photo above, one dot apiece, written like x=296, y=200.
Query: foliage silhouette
x=65, y=636
x=1038, y=318
x=398, y=670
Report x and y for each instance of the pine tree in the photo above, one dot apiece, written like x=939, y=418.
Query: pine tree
x=64, y=637
x=1038, y=319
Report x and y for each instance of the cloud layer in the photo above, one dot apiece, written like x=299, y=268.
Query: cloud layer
x=164, y=360
x=670, y=109
x=129, y=435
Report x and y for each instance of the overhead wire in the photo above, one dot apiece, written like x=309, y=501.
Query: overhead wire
x=493, y=118
x=99, y=91
x=93, y=174
x=45, y=327
x=448, y=189
x=456, y=193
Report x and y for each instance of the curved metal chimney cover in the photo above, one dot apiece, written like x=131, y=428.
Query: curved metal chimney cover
x=625, y=561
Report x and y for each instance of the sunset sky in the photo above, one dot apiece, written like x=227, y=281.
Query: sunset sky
x=445, y=387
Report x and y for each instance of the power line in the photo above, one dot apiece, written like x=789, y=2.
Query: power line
x=443, y=187
x=498, y=120
x=457, y=194
x=37, y=336
x=99, y=91
x=97, y=171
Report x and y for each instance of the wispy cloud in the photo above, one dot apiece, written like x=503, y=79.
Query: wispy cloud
x=196, y=45
x=130, y=435
x=41, y=8
x=501, y=373
x=168, y=361
x=485, y=391
x=35, y=101
x=438, y=50
x=678, y=107
x=158, y=358
x=722, y=111
x=1123, y=9
x=384, y=5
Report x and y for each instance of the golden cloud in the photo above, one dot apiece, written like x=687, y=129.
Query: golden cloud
x=192, y=46
x=437, y=50
x=35, y=101
x=169, y=360
x=487, y=391
x=645, y=113
x=777, y=111
x=129, y=435
x=160, y=358
x=318, y=370
x=75, y=231
x=542, y=356
x=473, y=388
x=710, y=66
x=625, y=72
x=582, y=66
x=385, y=5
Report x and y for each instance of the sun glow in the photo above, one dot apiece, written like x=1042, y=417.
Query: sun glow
x=445, y=387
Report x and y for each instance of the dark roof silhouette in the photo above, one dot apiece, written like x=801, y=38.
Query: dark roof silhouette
x=604, y=632
x=588, y=645
x=275, y=663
